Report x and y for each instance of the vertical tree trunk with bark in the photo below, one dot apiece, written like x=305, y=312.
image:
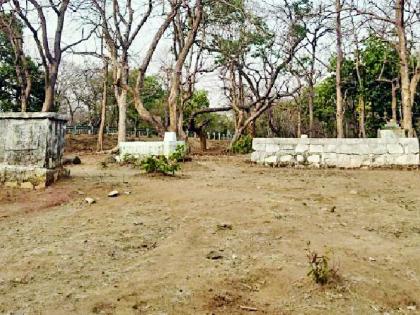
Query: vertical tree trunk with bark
x=339, y=97
x=394, y=89
x=50, y=84
x=362, y=118
x=121, y=96
x=100, y=145
x=174, y=93
x=311, y=98
x=407, y=122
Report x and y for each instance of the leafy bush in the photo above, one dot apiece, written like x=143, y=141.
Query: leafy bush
x=319, y=269
x=159, y=164
x=179, y=153
x=243, y=145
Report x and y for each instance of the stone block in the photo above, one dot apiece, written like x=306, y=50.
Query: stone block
x=314, y=159
x=271, y=159
x=286, y=158
x=257, y=156
x=378, y=148
x=315, y=148
x=407, y=160
x=343, y=148
x=379, y=160
x=343, y=160
x=302, y=148
x=411, y=147
x=272, y=148
x=330, y=148
x=355, y=161
x=256, y=146
x=300, y=158
x=329, y=159
x=413, y=159
x=31, y=147
x=362, y=149
x=285, y=141
x=395, y=148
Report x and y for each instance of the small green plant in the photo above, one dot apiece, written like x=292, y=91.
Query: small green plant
x=319, y=269
x=179, y=153
x=159, y=164
x=243, y=145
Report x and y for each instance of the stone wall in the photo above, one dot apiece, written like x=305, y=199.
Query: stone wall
x=332, y=152
x=149, y=148
x=31, y=148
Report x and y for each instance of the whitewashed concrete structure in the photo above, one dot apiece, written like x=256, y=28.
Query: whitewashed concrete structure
x=387, y=151
x=149, y=148
x=31, y=149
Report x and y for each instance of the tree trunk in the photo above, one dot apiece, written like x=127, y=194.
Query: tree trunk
x=407, y=123
x=122, y=116
x=177, y=73
x=339, y=98
x=203, y=139
x=299, y=124
x=311, y=108
x=100, y=145
x=394, y=89
x=362, y=115
x=50, y=84
x=180, y=130
x=414, y=82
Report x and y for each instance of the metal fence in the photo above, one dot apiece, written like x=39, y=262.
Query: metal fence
x=140, y=132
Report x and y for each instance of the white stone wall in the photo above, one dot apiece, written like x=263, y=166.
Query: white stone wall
x=332, y=152
x=144, y=148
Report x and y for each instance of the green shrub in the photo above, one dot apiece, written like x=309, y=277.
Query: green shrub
x=243, y=145
x=159, y=164
x=179, y=153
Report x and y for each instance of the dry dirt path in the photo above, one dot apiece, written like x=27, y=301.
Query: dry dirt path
x=146, y=252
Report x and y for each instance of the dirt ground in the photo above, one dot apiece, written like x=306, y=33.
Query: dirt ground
x=149, y=250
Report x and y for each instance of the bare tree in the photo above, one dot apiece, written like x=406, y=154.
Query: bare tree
x=120, y=29
x=183, y=42
x=50, y=53
x=317, y=28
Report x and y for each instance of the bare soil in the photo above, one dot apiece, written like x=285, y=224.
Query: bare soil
x=149, y=250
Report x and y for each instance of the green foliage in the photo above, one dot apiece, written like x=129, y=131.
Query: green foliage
x=378, y=59
x=198, y=101
x=243, y=145
x=319, y=269
x=160, y=164
x=215, y=122
x=9, y=85
x=179, y=153
x=153, y=97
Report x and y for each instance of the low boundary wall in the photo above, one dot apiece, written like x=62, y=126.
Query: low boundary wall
x=332, y=152
x=150, y=148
